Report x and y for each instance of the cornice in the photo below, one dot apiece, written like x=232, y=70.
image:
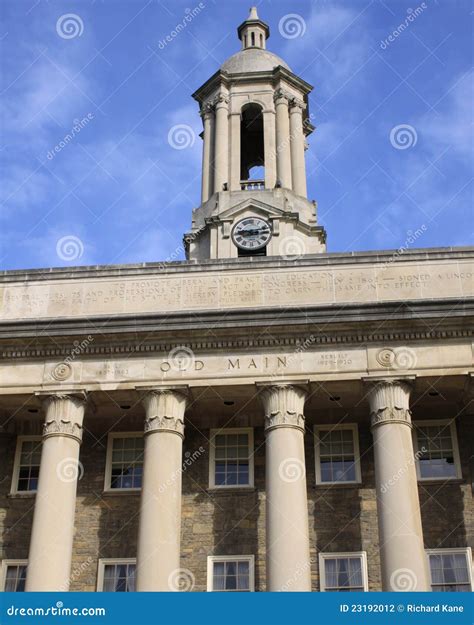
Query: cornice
x=329, y=259
x=137, y=347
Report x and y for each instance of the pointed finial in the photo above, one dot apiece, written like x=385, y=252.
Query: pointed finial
x=253, y=32
x=253, y=15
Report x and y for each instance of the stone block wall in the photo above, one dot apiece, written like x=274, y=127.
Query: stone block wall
x=341, y=518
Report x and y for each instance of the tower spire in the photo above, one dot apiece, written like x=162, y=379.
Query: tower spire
x=254, y=32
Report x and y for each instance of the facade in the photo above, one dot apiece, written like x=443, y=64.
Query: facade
x=264, y=416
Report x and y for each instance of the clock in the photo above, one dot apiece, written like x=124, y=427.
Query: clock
x=251, y=233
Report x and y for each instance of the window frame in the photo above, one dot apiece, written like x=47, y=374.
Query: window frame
x=241, y=558
x=451, y=423
x=328, y=555
x=16, y=464
x=317, y=455
x=108, y=462
x=4, y=567
x=103, y=562
x=212, y=458
x=467, y=551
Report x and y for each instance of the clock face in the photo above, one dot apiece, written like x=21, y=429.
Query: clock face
x=251, y=233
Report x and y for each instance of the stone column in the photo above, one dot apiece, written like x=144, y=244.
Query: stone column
x=287, y=535
x=283, y=139
x=159, y=530
x=207, y=117
x=221, y=151
x=234, y=151
x=403, y=560
x=49, y=559
x=298, y=169
x=269, y=139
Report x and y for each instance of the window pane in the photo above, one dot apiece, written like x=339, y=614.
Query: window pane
x=336, y=455
x=127, y=462
x=119, y=577
x=437, y=457
x=343, y=574
x=449, y=572
x=231, y=464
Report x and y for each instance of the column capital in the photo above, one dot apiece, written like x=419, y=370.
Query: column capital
x=165, y=409
x=389, y=400
x=207, y=110
x=283, y=405
x=221, y=100
x=64, y=413
x=281, y=97
x=297, y=105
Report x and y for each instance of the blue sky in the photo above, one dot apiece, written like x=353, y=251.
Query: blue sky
x=118, y=192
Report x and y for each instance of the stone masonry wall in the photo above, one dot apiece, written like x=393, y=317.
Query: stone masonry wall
x=341, y=518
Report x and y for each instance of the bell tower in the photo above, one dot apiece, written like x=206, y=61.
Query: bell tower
x=255, y=123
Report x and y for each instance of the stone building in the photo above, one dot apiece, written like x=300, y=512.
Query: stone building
x=262, y=416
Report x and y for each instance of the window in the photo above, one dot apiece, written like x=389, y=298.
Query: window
x=231, y=460
x=124, y=465
x=14, y=575
x=343, y=572
x=437, y=450
x=451, y=569
x=27, y=464
x=116, y=575
x=337, y=454
x=230, y=573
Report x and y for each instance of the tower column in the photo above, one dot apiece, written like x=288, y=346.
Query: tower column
x=403, y=559
x=287, y=534
x=206, y=187
x=50, y=555
x=159, y=532
x=298, y=169
x=283, y=140
x=269, y=149
x=235, y=151
x=221, y=152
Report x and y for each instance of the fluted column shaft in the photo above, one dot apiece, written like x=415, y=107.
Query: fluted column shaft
x=159, y=533
x=283, y=140
x=298, y=169
x=221, y=152
x=207, y=117
x=287, y=534
x=269, y=138
x=403, y=559
x=50, y=554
